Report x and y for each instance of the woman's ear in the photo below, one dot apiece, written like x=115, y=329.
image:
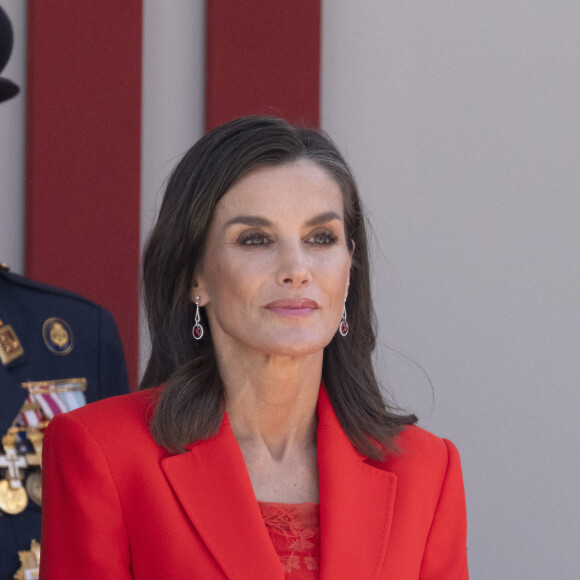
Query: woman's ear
x=349, y=269
x=195, y=290
x=198, y=289
x=193, y=293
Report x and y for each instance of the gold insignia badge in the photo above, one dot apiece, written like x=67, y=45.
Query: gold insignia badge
x=57, y=336
x=29, y=562
x=10, y=347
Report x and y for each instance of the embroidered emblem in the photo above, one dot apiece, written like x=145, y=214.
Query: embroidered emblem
x=10, y=347
x=57, y=336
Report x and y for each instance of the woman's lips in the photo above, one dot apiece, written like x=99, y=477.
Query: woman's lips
x=293, y=306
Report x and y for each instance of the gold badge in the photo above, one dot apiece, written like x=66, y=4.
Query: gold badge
x=57, y=336
x=12, y=500
x=10, y=347
x=29, y=562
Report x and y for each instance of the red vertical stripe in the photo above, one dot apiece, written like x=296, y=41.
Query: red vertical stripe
x=83, y=154
x=263, y=56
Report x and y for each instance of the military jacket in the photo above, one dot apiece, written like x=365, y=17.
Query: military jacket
x=48, y=334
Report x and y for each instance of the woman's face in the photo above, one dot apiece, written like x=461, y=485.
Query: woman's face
x=276, y=267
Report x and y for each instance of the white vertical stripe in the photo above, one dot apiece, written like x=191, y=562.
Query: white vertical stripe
x=173, y=102
x=12, y=141
x=71, y=400
x=31, y=418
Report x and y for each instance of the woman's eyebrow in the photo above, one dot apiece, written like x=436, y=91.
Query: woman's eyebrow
x=249, y=220
x=323, y=218
x=255, y=220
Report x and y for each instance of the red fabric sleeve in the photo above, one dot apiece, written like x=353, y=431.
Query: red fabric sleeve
x=445, y=551
x=81, y=512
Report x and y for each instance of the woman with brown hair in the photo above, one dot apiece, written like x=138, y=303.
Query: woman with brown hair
x=259, y=445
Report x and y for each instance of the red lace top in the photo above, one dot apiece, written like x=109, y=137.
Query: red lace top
x=295, y=532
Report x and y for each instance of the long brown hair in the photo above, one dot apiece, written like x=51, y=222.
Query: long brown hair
x=191, y=406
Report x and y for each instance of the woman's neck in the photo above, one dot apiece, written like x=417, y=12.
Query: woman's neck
x=271, y=406
x=272, y=401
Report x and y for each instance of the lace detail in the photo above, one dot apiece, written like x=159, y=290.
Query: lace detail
x=295, y=533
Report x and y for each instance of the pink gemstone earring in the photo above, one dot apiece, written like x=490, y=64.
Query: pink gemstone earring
x=197, y=330
x=343, y=328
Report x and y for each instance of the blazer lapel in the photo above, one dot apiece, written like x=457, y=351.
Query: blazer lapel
x=213, y=486
x=356, y=503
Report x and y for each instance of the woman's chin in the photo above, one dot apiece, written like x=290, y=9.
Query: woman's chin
x=295, y=345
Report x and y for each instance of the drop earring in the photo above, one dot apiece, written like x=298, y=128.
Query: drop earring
x=343, y=328
x=197, y=330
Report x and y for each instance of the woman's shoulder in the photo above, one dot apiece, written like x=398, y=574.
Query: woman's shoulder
x=419, y=450
x=139, y=403
x=418, y=440
x=111, y=434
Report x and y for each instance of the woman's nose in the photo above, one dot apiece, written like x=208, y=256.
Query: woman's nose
x=293, y=269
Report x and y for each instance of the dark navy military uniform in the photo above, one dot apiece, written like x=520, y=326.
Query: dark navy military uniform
x=96, y=355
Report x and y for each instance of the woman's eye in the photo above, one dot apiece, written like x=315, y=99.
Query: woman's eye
x=323, y=238
x=254, y=239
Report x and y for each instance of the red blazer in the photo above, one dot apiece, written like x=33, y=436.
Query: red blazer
x=116, y=505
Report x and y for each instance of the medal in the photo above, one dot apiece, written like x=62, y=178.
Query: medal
x=13, y=462
x=12, y=501
x=13, y=498
x=34, y=487
x=45, y=400
x=34, y=479
x=17, y=459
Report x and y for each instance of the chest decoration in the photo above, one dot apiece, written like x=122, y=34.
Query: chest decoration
x=20, y=457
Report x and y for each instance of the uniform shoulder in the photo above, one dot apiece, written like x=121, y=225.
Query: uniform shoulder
x=41, y=288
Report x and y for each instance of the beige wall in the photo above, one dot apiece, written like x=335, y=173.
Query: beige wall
x=462, y=122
